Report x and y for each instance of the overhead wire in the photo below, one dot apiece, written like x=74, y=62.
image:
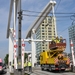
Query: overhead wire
x=42, y=16
x=72, y=17
x=57, y=6
x=67, y=13
x=46, y=12
x=63, y=30
x=55, y=11
x=50, y=13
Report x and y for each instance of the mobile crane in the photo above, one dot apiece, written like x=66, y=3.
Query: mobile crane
x=55, y=59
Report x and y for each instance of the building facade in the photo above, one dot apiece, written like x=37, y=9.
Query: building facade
x=46, y=31
x=71, y=30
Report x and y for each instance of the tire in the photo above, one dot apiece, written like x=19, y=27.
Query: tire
x=50, y=69
x=42, y=69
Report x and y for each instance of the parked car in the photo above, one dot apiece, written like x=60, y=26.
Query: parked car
x=2, y=67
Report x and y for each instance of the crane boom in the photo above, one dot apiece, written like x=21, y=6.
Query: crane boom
x=10, y=14
x=9, y=18
x=41, y=17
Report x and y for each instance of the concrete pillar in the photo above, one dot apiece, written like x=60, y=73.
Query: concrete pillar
x=10, y=50
x=33, y=48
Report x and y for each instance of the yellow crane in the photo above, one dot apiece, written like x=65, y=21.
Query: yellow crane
x=55, y=59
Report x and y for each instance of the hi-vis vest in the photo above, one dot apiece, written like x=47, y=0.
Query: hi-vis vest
x=12, y=64
x=25, y=64
x=29, y=64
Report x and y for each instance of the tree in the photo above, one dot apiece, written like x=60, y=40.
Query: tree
x=7, y=55
x=25, y=56
x=6, y=59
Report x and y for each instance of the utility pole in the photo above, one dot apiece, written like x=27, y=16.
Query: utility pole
x=20, y=70
x=19, y=36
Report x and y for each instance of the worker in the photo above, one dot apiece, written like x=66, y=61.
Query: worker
x=29, y=66
x=53, y=41
x=13, y=65
x=61, y=39
x=57, y=39
x=25, y=66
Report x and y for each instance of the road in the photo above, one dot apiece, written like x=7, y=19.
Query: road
x=6, y=72
x=37, y=71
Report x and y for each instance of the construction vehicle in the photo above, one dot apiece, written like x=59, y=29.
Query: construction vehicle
x=55, y=58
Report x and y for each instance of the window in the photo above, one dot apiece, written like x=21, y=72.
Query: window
x=42, y=33
x=42, y=30
x=49, y=28
x=49, y=34
x=42, y=24
x=42, y=27
x=43, y=48
x=42, y=36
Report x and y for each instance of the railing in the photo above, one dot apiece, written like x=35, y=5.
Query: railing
x=54, y=45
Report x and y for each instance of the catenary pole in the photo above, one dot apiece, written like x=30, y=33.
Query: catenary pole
x=19, y=36
x=20, y=70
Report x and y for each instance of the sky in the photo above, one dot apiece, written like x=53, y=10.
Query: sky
x=63, y=21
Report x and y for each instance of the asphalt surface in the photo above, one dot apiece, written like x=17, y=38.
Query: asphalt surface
x=37, y=71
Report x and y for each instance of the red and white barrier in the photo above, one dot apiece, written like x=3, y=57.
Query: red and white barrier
x=15, y=55
x=23, y=49
x=15, y=52
x=72, y=48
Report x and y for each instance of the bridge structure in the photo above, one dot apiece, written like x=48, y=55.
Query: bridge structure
x=11, y=32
